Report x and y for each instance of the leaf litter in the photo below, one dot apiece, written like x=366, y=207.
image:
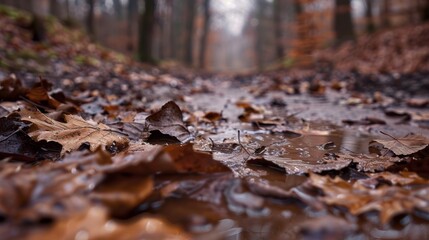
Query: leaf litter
x=88, y=154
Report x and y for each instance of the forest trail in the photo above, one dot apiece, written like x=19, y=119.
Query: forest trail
x=101, y=146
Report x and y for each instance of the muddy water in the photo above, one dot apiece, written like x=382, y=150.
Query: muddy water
x=200, y=203
x=278, y=218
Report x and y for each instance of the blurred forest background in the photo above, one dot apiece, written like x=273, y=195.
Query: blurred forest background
x=227, y=35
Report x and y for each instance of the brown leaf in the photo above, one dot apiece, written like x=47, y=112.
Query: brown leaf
x=148, y=159
x=401, y=179
x=367, y=163
x=169, y=120
x=73, y=133
x=11, y=89
x=120, y=196
x=406, y=145
x=389, y=201
x=418, y=102
x=296, y=166
x=327, y=227
x=212, y=116
x=14, y=143
x=365, y=121
x=95, y=223
x=39, y=94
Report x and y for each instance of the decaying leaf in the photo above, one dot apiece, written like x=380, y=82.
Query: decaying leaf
x=364, y=121
x=14, y=143
x=327, y=227
x=367, y=163
x=73, y=133
x=11, y=88
x=297, y=166
x=147, y=159
x=95, y=223
x=120, y=196
x=169, y=121
x=406, y=145
x=39, y=94
x=389, y=201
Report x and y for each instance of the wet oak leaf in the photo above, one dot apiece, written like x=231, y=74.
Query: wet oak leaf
x=73, y=133
x=406, y=145
x=169, y=121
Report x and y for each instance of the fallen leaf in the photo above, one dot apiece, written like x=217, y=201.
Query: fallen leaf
x=95, y=223
x=389, y=201
x=73, y=133
x=11, y=89
x=39, y=94
x=327, y=227
x=297, y=166
x=120, y=196
x=212, y=116
x=418, y=102
x=169, y=121
x=15, y=144
x=406, y=145
x=367, y=163
x=133, y=130
x=365, y=121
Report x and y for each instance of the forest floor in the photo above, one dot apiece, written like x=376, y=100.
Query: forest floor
x=96, y=146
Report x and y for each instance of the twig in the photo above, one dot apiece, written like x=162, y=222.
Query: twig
x=241, y=145
x=35, y=104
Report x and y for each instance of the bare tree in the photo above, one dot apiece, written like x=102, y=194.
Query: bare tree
x=205, y=33
x=190, y=19
x=425, y=11
x=259, y=45
x=132, y=16
x=176, y=26
x=278, y=32
x=40, y=10
x=385, y=14
x=370, y=26
x=90, y=19
x=343, y=22
x=147, y=23
x=55, y=8
x=117, y=6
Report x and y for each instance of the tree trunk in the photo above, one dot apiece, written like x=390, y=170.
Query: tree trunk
x=343, y=22
x=385, y=14
x=204, y=35
x=90, y=19
x=40, y=10
x=67, y=10
x=425, y=11
x=259, y=46
x=117, y=6
x=55, y=8
x=176, y=25
x=370, y=26
x=132, y=16
x=146, y=28
x=190, y=19
x=277, y=20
